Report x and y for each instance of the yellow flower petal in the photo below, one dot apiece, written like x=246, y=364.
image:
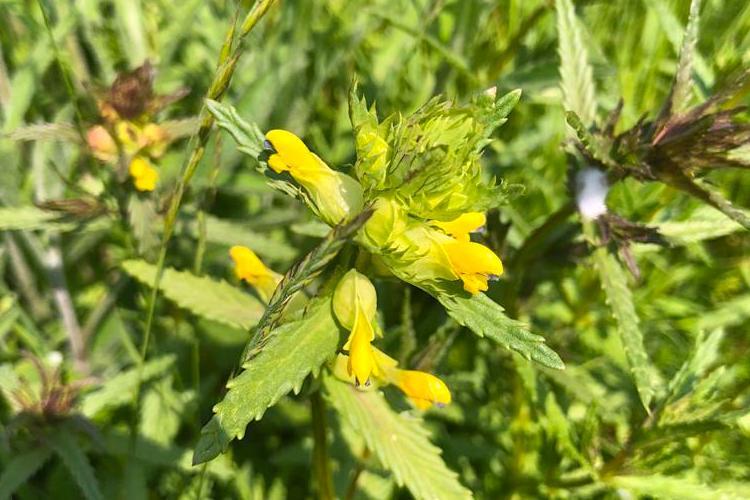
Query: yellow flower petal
x=422, y=388
x=248, y=267
x=473, y=263
x=335, y=195
x=289, y=147
x=463, y=225
x=277, y=164
x=361, y=359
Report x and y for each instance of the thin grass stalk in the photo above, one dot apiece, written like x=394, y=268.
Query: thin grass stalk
x=228, y=57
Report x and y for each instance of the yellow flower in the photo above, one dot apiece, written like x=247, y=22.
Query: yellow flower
x=144, y=175
x=461, y=227
x=336, y=196
x=355, y=305
x=473, y=263
x=422, y=388
x=248, y=267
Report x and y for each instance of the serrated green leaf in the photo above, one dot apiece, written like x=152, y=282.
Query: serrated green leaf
x=203, y=296
x=732, y=312
x=682, y=86
x=77, y=463
x=487, y=318
x=577, y=80
x=705, y=355
x=704, y=223
x=161, y=411
x=119, y=389
x=682, y=488
x=620, y=300
x=20, y=469
x=281, y=363
x=400, y=441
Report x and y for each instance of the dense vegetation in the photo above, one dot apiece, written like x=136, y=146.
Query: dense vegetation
x=374, y=249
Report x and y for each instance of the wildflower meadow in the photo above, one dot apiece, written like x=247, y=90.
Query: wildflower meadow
x=374, y=249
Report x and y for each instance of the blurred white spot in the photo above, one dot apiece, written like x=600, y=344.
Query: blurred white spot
x=54, y=359
x=591, y=192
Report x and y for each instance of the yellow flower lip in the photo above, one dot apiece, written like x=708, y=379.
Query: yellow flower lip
x=423, y=389
x=333, y=195
x=473, y=263
x=462, y=226
x=248, y=267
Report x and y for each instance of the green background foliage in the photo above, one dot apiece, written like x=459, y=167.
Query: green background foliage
x=653, y=400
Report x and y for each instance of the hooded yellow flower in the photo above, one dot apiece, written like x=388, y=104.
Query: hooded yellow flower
x=144, y=174
x=423, y=389
x=336, y=196
x=248, y=267
x=355, y=305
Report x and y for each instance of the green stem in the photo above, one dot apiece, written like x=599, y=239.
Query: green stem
x=352, y=489
x=321, y=465
x=228, y=58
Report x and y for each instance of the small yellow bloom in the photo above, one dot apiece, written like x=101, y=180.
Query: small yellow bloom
x=130, y=137
x=144, y=175
x=473, y=263
x=422, y=388
x=248, y=267
x=336, y=196
x=355, y=305
x=461, y=227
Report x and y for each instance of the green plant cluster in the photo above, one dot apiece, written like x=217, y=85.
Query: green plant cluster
x=607, y=145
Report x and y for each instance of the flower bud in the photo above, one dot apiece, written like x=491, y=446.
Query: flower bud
x=101, y=143
x=387, y=221
x=354, y=295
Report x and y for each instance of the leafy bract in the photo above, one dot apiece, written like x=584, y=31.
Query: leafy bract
x=400, y=441
x=487, y=318
x=620, y=300
x=281, y=363
x=576, y=75
x=203, y=296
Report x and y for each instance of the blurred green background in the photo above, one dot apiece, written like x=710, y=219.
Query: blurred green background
x=515, y=429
